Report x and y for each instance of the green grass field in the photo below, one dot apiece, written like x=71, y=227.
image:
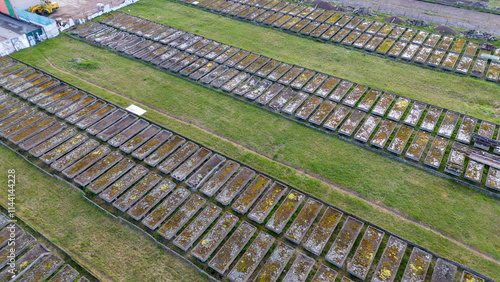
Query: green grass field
x=112, y=250
x=243, y=131
x=467, y=95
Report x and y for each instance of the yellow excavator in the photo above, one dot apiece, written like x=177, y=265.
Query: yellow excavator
x=45, y=8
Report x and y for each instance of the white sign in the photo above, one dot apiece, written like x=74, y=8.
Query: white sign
x=136, y=110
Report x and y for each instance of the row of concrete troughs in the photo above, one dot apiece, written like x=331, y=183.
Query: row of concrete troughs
x=23, y=259
x=227, y=218
x=398, y=42
x=424, y=134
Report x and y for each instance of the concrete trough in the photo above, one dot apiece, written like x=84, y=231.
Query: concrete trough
x=122, y=167
x=436, y=152
x=486, y=129
x=384, y=47
x=134, y=194
x=270, y=93
x=341, y=90
x=235, y=186
x=214, y=237
x=323, y=111
x=251, y=259
x=126, y=181
x=308, y=108
x=349, y=39
x=493, y=73
x=362, y=40
x=84, y=101
x=63, y=148
x=420, y=37
x=344, y=242
x=95, y=125
x=285, y=211
x=448, y=124
x=456, y=160
x=330, y=32
x=166, y=208
x=315, y=83
x=479, y=67
x=176, y=158
x=369, y=100
x=340, y=35
x=391, y=259
x=352, y=123
x=339, y=114
x=139, y=139
x=418, y=145
x=194, y=230
x=86, y=111
x=183, y=63
x=52, y=142
x=383, y=134
x=410, y=52
x=423, y=55
x=363, y=258
x=431, y=119
x=233, y=246
x=450, y=61
x=432, y=40
x=300, y=268
x=116, y=128
x=325, y=274
x=75, y=155
x=181, y=217
x=286, y=95
x=151, y=145
x=327, y=86
x=397, y=32
x=416, y=111
x=144, y=205
x=192, y=68
x=267, y=202
x=191, y=164
x=474, y=171
x=464, y=65
x=199, y=177
x=246, y=86
x=303, y=221
x=98, y=168
x=302, y=79
x=219, y=178
x=276, y=262
x=397, y=48
x=258, y=89
x=319, y=30
x=399, y=141
x=366, y=130
x=417, y=266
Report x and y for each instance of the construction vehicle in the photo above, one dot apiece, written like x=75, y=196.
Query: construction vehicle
x=45, y=8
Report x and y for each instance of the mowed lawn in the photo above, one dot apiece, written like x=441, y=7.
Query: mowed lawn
x=234, y=127
x=467, y=95
x=112, y=250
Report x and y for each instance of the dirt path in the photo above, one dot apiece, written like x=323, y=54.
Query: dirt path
x=430, y=12
x=298, y=171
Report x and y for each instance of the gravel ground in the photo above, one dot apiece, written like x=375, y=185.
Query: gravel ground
x=457, y=17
